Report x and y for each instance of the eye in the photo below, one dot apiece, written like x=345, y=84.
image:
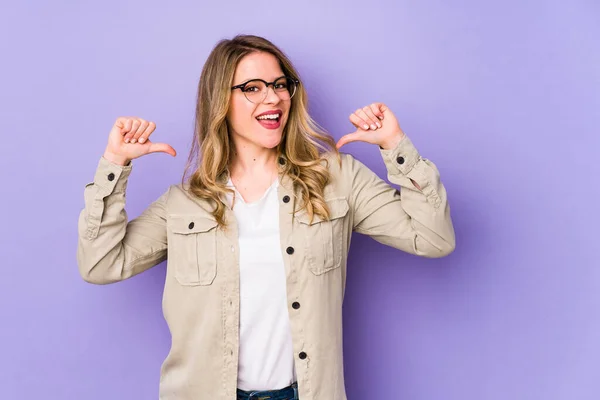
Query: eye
x=281, y=84
x=251, y=88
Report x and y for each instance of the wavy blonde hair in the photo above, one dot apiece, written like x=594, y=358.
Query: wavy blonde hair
x=303, y=143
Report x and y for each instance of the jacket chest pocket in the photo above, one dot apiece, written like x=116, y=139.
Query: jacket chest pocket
x=325, y=239
x=192, y=249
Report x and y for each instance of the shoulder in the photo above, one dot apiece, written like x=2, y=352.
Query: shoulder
x=180, y=199
x=343, y=167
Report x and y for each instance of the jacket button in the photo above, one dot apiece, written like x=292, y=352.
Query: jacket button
x=295, y=305
x=191, y=225
x=400, y=160
x=111, y=176
x=286, y=199
x=302, y=355
x=289, y=250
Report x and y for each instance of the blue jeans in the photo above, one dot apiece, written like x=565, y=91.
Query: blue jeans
x=287, y=393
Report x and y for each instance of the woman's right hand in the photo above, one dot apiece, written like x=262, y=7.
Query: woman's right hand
x=128, y=139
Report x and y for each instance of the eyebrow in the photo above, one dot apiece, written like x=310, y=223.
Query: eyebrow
x=252, y=79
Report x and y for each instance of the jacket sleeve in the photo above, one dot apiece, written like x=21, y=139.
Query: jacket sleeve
x=111, y=249
x=413, y=220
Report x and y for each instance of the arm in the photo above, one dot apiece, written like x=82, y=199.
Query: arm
x=111, y=249
x=417, y=220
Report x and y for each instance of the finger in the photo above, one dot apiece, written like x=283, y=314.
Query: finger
x=374, y=120
x=359, y=122
x=120, y=123
x=144, y=136
x=139, y=131
x=135, y=124
x=362, y=114
x=162, y=148
x=382, y=108
x=126, y=128
x=375, y=108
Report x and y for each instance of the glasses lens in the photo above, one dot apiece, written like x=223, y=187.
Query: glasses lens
x=255, y=91
x=285, y=87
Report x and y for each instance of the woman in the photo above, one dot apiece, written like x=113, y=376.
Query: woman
x=257, y=237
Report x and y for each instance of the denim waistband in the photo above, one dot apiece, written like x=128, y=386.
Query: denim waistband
x=287, y=393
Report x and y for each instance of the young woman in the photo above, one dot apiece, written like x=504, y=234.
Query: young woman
x=257, y=236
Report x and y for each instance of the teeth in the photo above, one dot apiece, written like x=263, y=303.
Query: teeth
x=269, y=116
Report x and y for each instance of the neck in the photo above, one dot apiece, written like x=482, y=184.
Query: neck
x=252, y=161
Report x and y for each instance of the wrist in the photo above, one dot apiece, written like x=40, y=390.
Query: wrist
x=393, y=141
x=116, y=159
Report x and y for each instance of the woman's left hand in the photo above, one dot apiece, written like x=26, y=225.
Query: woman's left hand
x=376, y=124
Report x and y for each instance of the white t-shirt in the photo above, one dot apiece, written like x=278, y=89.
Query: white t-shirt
x=266, y=357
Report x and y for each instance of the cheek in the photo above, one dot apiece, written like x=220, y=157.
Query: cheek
x=240, y=113
x=286, y=110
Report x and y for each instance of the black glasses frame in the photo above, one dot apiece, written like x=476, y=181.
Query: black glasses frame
x=242, y=86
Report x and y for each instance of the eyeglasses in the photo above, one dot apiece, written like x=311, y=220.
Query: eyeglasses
x=256, y=90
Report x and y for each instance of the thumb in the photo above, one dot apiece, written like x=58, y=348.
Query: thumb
x=351, y=137
x=162, y=148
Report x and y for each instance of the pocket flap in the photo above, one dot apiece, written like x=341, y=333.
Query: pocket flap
x=338, y=208
x=188, y=224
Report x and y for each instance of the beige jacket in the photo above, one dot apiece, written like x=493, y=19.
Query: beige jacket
x=201, y=297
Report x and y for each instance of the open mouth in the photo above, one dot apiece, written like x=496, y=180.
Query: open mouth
x=270, y=120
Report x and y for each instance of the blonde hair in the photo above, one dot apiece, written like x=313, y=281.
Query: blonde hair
x=303, y=144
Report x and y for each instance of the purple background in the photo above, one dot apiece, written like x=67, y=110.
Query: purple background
x=503, y=96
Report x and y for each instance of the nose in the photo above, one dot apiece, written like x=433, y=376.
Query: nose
x=271, y=97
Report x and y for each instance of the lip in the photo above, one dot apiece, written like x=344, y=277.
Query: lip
x=271, y=112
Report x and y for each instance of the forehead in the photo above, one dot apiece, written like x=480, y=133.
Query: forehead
x=257, y=65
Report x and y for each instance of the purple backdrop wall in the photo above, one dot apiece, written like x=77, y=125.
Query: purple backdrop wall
x=503, y=96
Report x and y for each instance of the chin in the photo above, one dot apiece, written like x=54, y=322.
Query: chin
x=271, y=144
x=270, y=139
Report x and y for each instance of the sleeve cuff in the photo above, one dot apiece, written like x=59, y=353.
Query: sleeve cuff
x=111, y=177
x=402, y=158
